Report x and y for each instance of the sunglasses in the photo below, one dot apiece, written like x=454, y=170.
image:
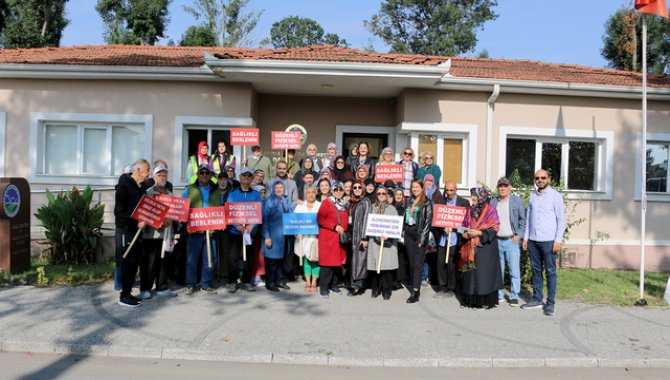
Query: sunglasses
x=543, y=177
x=407, y=153
x=380, y=194
x=205, y=173
x=247, y=175
x=429, y=158
x=357, y=187
x=449, y=190
x=338, y=189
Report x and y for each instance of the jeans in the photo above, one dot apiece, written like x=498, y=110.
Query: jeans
x=510, y=253
x=197, y=252
x=541, y=254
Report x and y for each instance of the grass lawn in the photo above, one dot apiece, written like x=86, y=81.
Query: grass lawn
x=61, y=275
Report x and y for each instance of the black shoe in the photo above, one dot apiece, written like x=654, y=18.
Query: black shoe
x=129, y=301
x=376, y=293
x=360, y=292
x=414, y=297
x=272, y=288
x=351, y=293
x=387, y=295
x=283, y=286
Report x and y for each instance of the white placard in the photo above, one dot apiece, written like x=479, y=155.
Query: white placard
x=384, y=225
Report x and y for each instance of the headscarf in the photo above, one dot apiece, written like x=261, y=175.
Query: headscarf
x=340, y=204
x=326, y=171
x=338, y=174
x=372, y=195
x=273, y=201
x=303, y=168
x=430, y=190
x=367, y=170
x=351, y=149
x=203, y=157
x=333, y=157
x=481, y=216
x=314, y=158
x=379, y=207
x=355, y=199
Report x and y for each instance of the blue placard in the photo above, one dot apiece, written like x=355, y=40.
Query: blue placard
x=300, y=224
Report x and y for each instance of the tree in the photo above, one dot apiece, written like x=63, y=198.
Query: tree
x=294, y=31
x=431, y=27
x=32, y=23
x=134, y=22
x=198, y=36
x=224, y=19
x=622, y=42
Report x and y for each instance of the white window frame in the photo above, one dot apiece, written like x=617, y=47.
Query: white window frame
x=662, y=138
x=182, y=123
x=465, y=132
x=38, y=121
x=3, y=147
x=604, y=155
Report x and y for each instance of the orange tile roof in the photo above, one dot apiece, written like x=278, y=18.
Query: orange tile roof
x=177, y=56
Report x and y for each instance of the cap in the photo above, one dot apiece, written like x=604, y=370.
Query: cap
x=258, y=171
x=504, y=181
x=160, y=168
x=337, y=185
x=246, y=170
x=204, y=167
x=260, y=188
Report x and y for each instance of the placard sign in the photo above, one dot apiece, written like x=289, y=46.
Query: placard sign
x=389, y=226
x=285, y=140
x=448, y=216
x=300, y=224
x=384, y=173
x=150, y=211
x=245, y=136
x=244, y=213
x=206, y=219
x=178, y=206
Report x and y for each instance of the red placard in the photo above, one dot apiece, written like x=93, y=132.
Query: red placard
x=285, y=140
x=244, y=136
x=385, y=172
x=206, y=219
x=150, y=211
x=178, y=206
x=244, y=213
x=448, y=216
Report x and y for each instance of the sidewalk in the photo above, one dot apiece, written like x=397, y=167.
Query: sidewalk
x=301, y=328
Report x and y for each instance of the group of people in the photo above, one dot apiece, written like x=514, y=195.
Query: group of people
x=468, y=262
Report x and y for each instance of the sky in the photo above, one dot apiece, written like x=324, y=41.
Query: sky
x=555, y=31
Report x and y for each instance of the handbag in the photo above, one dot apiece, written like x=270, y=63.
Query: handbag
x=313, y=254
x=345, y=238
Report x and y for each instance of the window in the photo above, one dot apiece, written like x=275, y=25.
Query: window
x=657, y=167
x=67, y=147
x=579, y=160
x=570, y=163
x=449, y=158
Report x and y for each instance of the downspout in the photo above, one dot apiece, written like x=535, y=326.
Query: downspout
x=489, y=130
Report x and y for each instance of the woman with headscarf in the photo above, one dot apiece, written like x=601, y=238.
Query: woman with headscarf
x=200, y=158
x=274, y=244
x=306, y=245
x=352, y=157
x=326, y=173
x=340, y=171
x=331, y=154
x=362, y=173
x=432, y=192
x=370, y=187
x=324, y=190
x=382, y=282
x=359, y=208
x=311, y=152
x=479, y=259
x=333, y=220
x=305, y=165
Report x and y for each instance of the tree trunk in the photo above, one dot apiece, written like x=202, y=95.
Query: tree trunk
x=47, y=16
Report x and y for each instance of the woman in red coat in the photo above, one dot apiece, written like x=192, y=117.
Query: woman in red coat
x=333, y=221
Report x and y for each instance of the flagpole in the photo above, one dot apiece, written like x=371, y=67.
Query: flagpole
x=643, y=183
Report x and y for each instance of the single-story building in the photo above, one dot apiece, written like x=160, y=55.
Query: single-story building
x=78, y=115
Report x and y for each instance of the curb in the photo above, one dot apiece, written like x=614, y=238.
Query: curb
x=173, y=353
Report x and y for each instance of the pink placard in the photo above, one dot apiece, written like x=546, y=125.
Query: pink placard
x=285, y=140
x=244, y=213
x=178, y=206
x=150, y=211
x=448, y=216
x=206, y=219
x=244, y=136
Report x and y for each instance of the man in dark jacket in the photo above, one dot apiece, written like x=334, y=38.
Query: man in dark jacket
x=128, y=193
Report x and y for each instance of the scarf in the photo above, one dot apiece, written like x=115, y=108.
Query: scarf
x=331, y=159
x=488, y=218
x=339, y=173
x=203, y=157
x=314, y=158
x=339, y=203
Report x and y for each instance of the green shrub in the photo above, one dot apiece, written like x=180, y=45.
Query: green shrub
x=73, y=227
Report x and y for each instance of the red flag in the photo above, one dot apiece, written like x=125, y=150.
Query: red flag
x=654, y=7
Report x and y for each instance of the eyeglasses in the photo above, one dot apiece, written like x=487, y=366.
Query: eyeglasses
x=205, y=173
x=247, y=175
x=543, y=177
x=407, y=153
x=428, y=158
x=380, y=194
x=357, y=187
x=338, y=189
x=449, y=190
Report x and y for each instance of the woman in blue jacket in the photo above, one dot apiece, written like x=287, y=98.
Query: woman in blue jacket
x=275, y=245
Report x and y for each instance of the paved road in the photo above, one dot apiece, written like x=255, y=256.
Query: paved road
x=294, y=327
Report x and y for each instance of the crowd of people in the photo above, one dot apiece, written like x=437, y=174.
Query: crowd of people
x=468, y=263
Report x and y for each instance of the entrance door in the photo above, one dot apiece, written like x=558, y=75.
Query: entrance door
x=377, y=142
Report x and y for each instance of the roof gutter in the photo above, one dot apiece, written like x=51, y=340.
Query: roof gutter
x=202, y=73
x=490, y=105
x=551, y=88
